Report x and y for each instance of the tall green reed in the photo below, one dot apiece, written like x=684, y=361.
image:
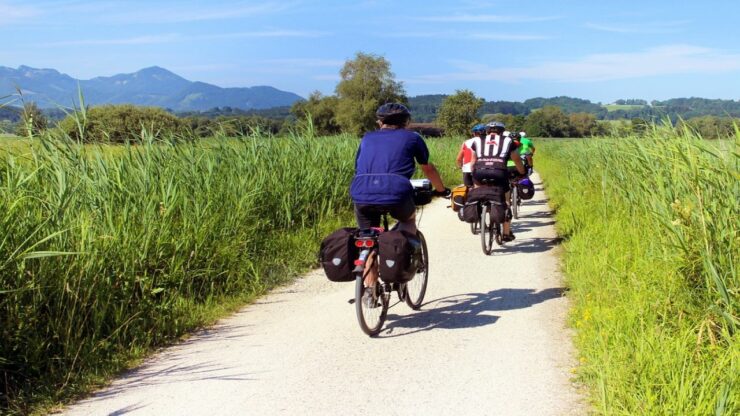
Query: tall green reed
x=651, y=226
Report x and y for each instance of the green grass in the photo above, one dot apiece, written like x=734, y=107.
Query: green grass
x=107, y=252
x=651, y=260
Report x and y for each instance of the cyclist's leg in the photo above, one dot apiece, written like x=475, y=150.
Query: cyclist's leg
x=368, y=216
x=405, y=213
x=468, y=179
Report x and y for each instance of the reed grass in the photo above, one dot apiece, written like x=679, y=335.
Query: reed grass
x=107, y=252
x=651, y=260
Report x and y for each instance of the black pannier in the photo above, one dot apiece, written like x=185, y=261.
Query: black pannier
x=397, y=256
x=497, y=198
x=469, y=212
x=337, y=255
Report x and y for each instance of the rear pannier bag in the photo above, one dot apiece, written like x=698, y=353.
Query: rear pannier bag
x=397, y=255
x=496, y=195
x=459, y=195
x=526, y=189
x=470, y=212
x=337, y=255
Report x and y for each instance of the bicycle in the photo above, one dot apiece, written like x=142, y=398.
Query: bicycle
x=371, y=306
x=490, y=230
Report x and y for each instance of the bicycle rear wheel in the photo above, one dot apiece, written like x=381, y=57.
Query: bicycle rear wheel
x=371, y=310
x=475, y=227
x=515, y=201
x=417, y=287
x=486, y=230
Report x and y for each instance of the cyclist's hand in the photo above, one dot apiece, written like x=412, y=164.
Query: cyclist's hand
x=444, y=194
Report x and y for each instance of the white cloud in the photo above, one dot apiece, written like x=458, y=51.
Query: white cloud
x=485, y=18
x=136, y=40
x=305, y=62
x=640, y=28
x=664, y=60
x=464, y=36
x=182, y=12
x=12, y=13
x=175, y=37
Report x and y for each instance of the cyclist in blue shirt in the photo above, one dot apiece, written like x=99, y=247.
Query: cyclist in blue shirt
x=384, y=165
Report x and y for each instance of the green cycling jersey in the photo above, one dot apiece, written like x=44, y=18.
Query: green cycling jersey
x=526, y=147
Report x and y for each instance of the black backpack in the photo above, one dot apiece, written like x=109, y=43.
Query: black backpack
x=397, y=256
x=337, y=255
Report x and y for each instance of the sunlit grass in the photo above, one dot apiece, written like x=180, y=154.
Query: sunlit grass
x=652, y=249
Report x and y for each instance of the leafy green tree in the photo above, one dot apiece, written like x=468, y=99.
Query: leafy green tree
x=321, y=111
x=583, y=124
x=549, y=121
x=367, y=82
x=459, y=112
x=32, y=121
x=121, y=123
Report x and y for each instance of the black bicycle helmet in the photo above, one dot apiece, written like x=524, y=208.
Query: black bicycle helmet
x=393, y=113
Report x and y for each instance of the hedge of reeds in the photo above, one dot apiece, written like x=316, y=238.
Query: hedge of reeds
x=652, y=246
x=109, y=251
x=106, y=251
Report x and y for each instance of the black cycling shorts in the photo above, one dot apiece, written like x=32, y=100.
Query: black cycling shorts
x=369, y=216
x=468, y=179
x=482, y=177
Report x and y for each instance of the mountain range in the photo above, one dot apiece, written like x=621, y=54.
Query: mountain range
x=153, y=86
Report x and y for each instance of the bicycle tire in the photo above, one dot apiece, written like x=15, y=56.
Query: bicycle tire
x=486, y=230
x=515, y=201
x=417, y=287
x=364, y=313
x=474, y=227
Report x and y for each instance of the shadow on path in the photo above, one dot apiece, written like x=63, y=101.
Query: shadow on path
x=466, y=310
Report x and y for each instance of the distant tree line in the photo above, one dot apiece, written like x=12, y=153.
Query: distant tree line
x=366, y=82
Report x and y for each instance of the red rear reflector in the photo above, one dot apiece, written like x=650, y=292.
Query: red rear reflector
x=369, y=243
x=359, y=263
x=359, y=243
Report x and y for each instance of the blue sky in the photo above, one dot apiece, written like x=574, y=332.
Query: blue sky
x=501, y=50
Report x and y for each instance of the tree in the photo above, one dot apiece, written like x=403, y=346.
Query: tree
x=549, y=121
x=32, y=121
x=121, y=123
x=367, y=82
x=583, y=124
x=459, y=112
x=320, y=111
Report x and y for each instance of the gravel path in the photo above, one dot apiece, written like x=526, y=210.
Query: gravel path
x=490, y=340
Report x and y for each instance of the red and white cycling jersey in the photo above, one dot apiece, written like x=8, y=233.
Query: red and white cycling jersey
x=467, y=155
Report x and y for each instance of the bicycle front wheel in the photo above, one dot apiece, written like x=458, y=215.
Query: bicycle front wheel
x=417, y=287
x=486, y=230
x=371, y=306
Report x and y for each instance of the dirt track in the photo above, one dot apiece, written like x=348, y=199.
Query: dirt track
x=491, y=339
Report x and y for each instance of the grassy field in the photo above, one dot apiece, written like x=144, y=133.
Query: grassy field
x=110, y=251
x=651, y=253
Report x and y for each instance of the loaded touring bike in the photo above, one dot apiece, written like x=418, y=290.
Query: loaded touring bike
x=371, y=304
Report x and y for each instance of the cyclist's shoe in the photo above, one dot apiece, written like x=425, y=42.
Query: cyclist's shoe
x=508, y=237
x=369, y=299
x=444, y=194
